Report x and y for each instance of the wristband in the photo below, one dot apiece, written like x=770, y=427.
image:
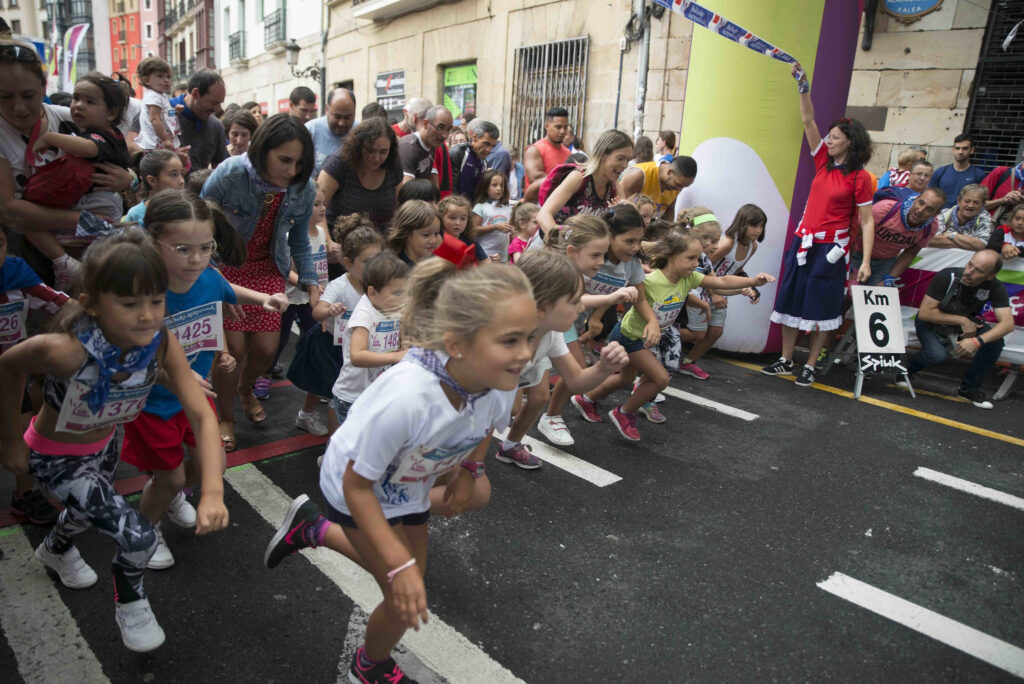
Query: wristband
x=404, y=566
x=474, y=467
x=977, y=339
x=803, y=87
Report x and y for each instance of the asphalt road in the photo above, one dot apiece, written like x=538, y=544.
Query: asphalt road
x=702, y=563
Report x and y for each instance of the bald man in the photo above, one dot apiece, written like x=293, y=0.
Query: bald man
x=330, y=129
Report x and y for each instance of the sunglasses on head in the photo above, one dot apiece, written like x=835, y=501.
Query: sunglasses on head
x=19, y=53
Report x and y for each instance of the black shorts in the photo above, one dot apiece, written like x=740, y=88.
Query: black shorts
x=345, y=520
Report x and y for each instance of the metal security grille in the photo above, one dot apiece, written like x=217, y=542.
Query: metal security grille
x=545, y=76
x=996, y=114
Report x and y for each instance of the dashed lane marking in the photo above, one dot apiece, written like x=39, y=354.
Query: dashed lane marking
x=971, y=488
x=436, y=644
x=567, y=462
x=47, y=644
x=708, y=403
x=971, y=641
x=991, y=434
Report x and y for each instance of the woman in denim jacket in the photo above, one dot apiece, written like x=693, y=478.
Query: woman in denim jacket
x=264, y=194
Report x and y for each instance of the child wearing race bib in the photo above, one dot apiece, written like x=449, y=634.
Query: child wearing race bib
x=158, y=170
x=729, y=257
x=98, y=370
x=558, y=291
x=372, y=340
x=433, y=413
x=675, y=261
x=491, y=215
x=620, y=269
x=299, y=308
x=21, y=291
x=704, y=308
x=187, y=234
x=415, y=231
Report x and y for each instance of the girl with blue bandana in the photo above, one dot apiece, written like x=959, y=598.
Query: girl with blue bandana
x=108, y=351
x=430, y=416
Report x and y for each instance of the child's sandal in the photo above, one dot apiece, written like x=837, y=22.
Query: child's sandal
x=227, y=436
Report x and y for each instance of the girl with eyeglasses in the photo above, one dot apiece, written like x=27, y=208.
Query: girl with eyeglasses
x=187, y=232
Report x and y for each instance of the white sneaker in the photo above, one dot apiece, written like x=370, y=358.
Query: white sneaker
x=139, y=628
x=312, y=424
x=181, y=512
x=64, y=276
x=554, y=430
x=162, y=557
x=72, y=569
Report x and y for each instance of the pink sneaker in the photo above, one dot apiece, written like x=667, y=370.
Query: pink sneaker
x=588, y=409
x=693, y=370
x=626, y=424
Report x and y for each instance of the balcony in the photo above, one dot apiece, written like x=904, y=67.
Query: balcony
x=178, y=72
x=236, y=47
x=388, y=9
x=274, y=30
x=170, y=18
x=122, y=36
x=191, y=67
x=119, y=8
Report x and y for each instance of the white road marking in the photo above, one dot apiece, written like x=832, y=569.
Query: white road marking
x=33, y=615
x=971, y=488
x=950, y=632
x=708, y=403
x=567, y=462
x=437, y=645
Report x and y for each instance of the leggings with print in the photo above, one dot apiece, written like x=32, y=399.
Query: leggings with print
x=85, y=486
x=669, y=349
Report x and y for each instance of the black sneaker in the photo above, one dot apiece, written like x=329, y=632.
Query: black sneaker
x=975, y=396
x=35, y=507
x=779, y=367
x=386, y=672
x=277, y=371
x=805, y=377
x=292, y=535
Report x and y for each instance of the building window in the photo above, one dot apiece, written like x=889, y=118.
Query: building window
x=131, y=23
x=459, y=94
x=149, y=31
x=15, y=24
x=546, y=75
x=13, y=4
x=148, y=4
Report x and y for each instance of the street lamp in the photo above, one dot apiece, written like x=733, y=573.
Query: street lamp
x=312, y=71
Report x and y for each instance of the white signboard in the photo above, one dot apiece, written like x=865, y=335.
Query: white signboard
x=879, y=322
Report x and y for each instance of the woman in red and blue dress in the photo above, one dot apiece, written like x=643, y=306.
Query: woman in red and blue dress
x=810, y=294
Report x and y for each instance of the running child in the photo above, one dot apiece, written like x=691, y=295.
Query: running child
x=729, y=257
x=415, y=232
x=299, y=309
x=187, y=233
x=98, y=369
x=675, y=261
x=158, y=170
x=620, y=269
x=525, y=227
x=433, y=413
x=704, y=308
x=491, y=215
x=372, y=340
x=21, y=291
x=558, y=291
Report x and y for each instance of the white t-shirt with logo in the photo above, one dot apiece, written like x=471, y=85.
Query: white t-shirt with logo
x=298, y=294
x=340, y=290
x=147, y=139
x=552, y=346
x=384, y=337
x=402, y=433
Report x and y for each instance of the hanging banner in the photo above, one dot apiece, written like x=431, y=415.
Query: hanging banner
x=73, y=39
x=52, y=68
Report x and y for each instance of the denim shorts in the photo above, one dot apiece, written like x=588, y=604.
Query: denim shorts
x=341, y=409
x=346, y=520
x=631, y=345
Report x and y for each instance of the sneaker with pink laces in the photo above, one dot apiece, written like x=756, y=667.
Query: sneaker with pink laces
x=693, y=370
x=625, y=423
x=520, y=455
x=590, y=410
x=651, y=412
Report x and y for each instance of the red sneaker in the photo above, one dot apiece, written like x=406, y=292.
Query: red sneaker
x=626, y=424
x=590, y=410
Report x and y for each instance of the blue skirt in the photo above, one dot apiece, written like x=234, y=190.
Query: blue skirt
x=810, y=297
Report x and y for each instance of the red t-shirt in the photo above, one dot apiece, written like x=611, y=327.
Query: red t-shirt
x=1003, y=188
x=397, y=128
x=833, y=200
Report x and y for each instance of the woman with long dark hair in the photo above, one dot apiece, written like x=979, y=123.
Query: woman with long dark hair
x=810, y=296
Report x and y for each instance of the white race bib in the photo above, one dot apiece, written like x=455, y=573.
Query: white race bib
x=340, y=323
x=12, y=321
x=121, y=406
x=198, y=329
x=320, y=266
x=425, y=462
x=602, y=284
x=384, y=338
x=667, y=311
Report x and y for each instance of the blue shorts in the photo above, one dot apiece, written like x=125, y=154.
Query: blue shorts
x=631, y=345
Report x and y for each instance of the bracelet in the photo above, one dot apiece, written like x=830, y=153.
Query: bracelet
x=404, y=566
x=803, y=87
x=978, y=340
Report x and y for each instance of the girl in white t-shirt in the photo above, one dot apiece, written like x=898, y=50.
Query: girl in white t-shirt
x=492, y=214
x=158, y=124
x=372, y=340
x=433, y=413
x=558, y=291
